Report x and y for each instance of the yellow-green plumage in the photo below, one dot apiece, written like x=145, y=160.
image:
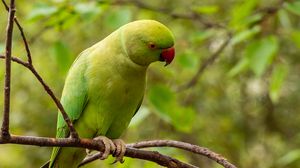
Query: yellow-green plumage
x=105, y=85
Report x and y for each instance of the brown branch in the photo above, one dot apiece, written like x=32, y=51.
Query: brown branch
x=190, y=16
x=185, y=146
x=22, y=34
x=210, y=60
x=95, y=145
x=25, y=41
x=153, y=156
x=8, y=43
x=30, y=66
x=17, y=60
x=90, y=159
x=170, y=143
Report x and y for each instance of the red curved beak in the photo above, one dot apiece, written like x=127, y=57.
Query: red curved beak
x=167, y=55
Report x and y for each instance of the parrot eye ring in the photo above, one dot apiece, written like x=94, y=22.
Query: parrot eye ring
x=151, y=45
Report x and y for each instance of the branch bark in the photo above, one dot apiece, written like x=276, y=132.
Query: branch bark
x=185, y=146
x=190, y=16
x=153, y=156
x=210, y=60
x=176, y=144
x=8, y=43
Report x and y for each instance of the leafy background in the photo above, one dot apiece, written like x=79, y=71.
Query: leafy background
x=244, y=106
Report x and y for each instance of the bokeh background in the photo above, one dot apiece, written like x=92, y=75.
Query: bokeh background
x=243, y=106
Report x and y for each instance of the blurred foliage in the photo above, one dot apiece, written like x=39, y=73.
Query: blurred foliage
x=244, y=106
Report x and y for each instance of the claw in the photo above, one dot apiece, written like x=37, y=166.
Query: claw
x=88, y=152
x=116, y=147
x=120, y=150
x=108, y=144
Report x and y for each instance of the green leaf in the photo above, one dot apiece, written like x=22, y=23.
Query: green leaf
x=250, y=20
x=200, y=36
x=293, y=7
x=240, y=12
x=188, y=59
x=162, y=97
x=87, y=10
x=284, y=19
x=239, y=67
x=245, y=35
x=261, y=53
x=209, y=9
x=167, y=107
x=278, y=75
x=115, y=19
x=41, y=11
x=296, y=38
x=69, y=22
x=290, y=157
x=62, y=55
x=60, y=18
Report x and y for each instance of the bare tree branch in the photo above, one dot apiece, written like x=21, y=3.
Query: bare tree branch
x=185, y=146
x=9, y=32
x=190, y=16
x=153, y=156
x=22, y=34
x=17, y=60
x=210, y=60
x=176, y=144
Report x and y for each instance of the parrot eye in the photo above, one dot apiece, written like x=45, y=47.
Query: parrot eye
x=151, y=45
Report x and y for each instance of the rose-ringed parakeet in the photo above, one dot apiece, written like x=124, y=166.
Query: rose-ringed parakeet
x=105, y=86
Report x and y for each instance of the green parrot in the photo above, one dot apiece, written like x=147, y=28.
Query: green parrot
x=105, y=86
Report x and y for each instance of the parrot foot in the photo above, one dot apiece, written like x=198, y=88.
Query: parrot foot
x=120, y=150
x=108, y=144
x=88, y=152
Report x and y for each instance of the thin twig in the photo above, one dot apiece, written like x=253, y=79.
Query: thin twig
x=185, y=146
x=8, y=43
x=90, y=159
x=153, y=156
x=25, y=41
x=30, y=66
x=17, y=60
x=210, y=60
x=5, y=5
x=22, y=34
x=190, y=16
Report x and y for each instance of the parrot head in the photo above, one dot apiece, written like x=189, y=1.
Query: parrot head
x=147, y=41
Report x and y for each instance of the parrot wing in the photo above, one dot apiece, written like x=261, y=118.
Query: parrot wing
x=74, y=98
